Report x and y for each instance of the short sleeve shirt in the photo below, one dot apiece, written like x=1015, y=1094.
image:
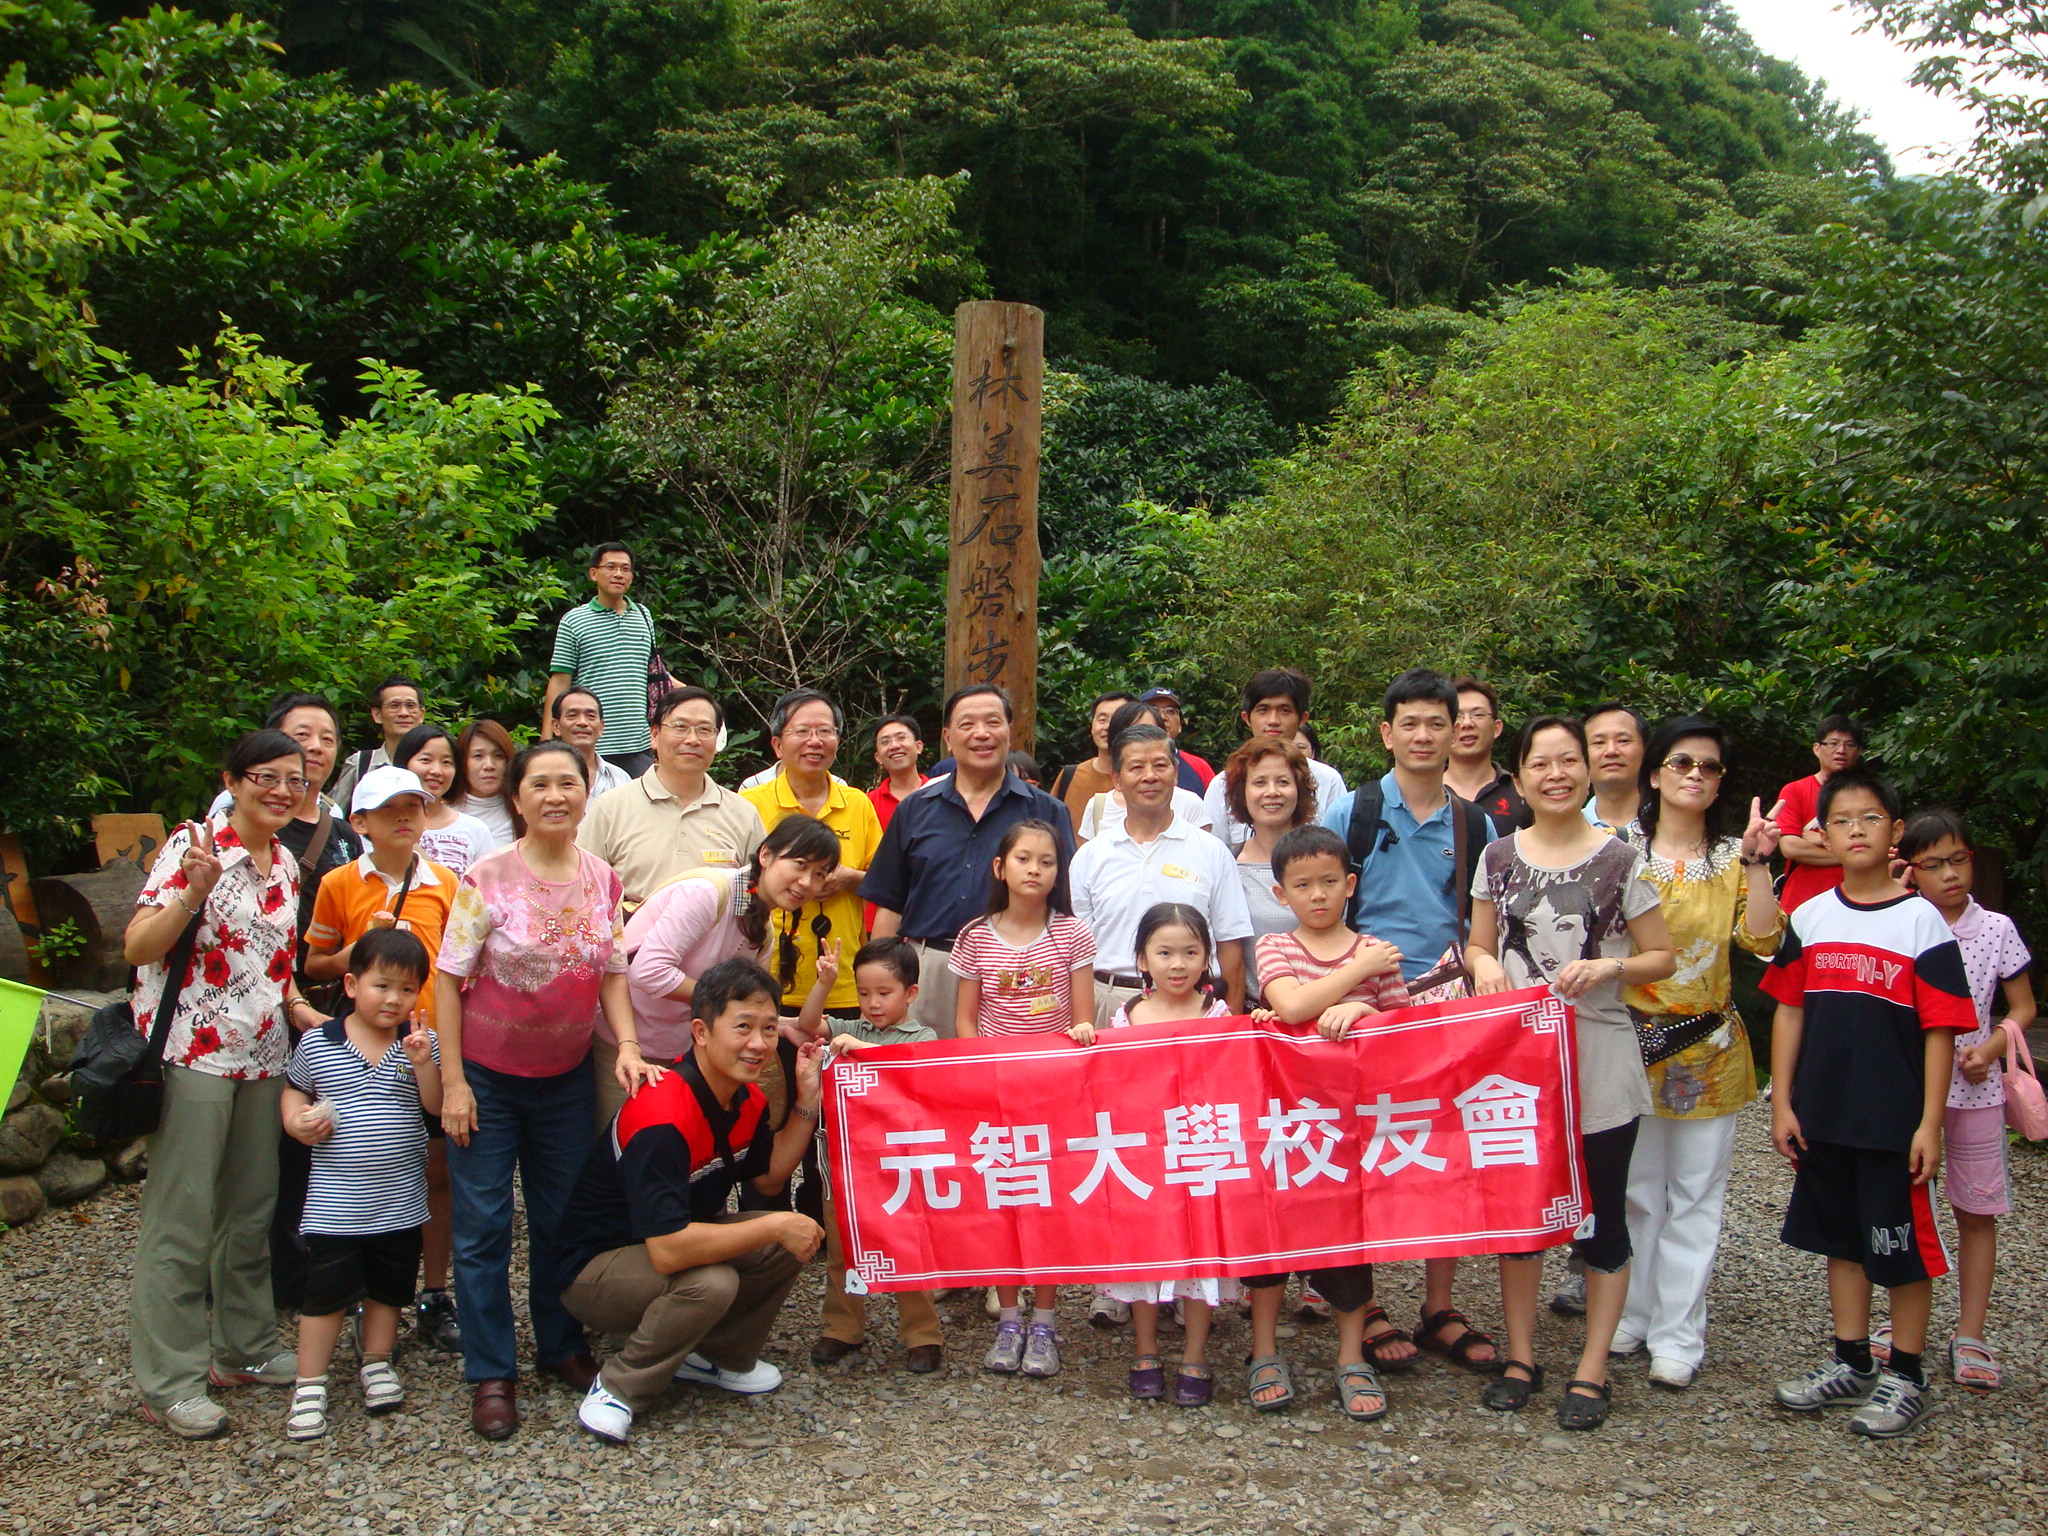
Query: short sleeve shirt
x=371, y=1175
x=533, y=955
x=1993, y=953
x=1871, y=978
x=1283, y=955
x=608, y=653
x=1803, y=882
x=670, y=1156
x=1550, y=917
x=1116, y=880
x=350, y=897
x=933, y=865
x=850, y=814
x=1329, y=790
x=650, y=837
x=230, y=1018
x=457, y=846
x=1027, y=991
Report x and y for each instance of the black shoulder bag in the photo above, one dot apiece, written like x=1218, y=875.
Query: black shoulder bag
x=117, y=1074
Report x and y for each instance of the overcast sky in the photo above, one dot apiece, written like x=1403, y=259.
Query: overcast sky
x=1866, y=71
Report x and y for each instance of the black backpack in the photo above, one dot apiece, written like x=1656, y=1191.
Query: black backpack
x=1368, y=832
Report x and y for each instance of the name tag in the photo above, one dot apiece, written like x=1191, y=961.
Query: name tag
x=718, y=856
x=1175, y=872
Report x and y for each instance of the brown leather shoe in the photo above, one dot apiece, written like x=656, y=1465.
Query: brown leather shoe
x=494, y=1409
x=923, y=1359
x=828, y=1351
x=578, y=1371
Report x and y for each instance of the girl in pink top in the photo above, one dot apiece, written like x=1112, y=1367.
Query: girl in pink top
x=1025, y=970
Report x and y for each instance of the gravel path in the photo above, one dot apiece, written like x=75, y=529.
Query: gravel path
x=865, y=1447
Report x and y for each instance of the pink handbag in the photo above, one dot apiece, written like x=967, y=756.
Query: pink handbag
x=2026, y=1106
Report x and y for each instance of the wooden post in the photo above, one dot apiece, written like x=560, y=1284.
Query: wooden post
x=992, y=575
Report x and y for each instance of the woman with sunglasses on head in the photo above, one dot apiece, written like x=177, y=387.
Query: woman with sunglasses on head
x=1716, y=894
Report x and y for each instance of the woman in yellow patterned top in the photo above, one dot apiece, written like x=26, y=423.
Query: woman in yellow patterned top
x=1716, y=891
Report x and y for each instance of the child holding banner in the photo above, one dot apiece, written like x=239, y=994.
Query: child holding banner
x=1565, y=905
x=1025, y=969
x=1175, y=953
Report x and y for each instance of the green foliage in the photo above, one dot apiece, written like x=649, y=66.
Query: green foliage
x=58, y=944
x=227, y=545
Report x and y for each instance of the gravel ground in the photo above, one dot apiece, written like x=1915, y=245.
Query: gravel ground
x=864, y=1447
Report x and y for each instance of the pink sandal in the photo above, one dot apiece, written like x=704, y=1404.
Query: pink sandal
x=1973, y=1365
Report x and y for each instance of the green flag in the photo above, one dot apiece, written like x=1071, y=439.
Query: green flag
x=19, y=1008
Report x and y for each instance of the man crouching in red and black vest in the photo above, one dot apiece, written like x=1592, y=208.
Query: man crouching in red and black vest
x=647, y=1235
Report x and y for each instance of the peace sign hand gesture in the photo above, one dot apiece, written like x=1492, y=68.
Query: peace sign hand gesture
x=199, y=864
x=1760, y=837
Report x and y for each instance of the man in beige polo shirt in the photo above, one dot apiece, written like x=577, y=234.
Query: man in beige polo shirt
x=673, y=819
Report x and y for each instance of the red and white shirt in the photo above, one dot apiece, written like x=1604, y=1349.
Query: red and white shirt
x=1027, y=991
x=1871, y=979
x=1284, y=955
x=230, y=1019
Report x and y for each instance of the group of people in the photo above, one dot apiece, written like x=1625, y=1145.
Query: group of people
x=584, y=966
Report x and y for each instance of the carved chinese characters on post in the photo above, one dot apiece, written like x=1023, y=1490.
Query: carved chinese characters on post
x=992, y=575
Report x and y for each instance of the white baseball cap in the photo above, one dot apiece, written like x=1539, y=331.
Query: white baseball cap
x=383, y=784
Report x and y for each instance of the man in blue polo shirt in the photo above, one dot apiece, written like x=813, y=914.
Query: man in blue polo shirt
x=1414, y=891
x=930, y=877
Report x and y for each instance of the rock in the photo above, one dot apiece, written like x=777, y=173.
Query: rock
x=18, y=1094
x=1228, y=1431
x=57, y=1090
x=129, y=1161
x=846, y=1467
x=28, y=1136
x=67, y=1023
x=1636, y=1488
x=68, y=1178
x=21, y=1200
x=1558, y=1443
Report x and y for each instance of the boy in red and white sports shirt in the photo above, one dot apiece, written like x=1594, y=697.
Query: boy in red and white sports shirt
x=1871, y=994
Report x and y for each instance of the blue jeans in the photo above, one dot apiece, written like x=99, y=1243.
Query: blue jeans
x=541, y=1125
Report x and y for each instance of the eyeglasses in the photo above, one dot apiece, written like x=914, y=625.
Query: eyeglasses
x=813, y=733
x=1871, y=819
x=1474, y=716
x=1707, y=767
x=1836, y=744
x=690, y=730
x=1936, y=866
x=265, y=779
x=616, y=570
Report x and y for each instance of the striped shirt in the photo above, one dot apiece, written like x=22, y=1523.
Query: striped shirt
x=608, y=653
x=370, y=1176
x=1027, y=991
x=1282, y=956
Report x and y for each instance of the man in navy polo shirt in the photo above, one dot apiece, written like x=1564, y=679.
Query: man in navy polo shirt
x=930, y=877
x=1414, y=893
x=647, y=1238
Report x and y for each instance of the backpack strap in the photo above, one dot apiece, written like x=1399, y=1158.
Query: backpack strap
x=1469, y=836
x=1362, y=836
x=1061, y=780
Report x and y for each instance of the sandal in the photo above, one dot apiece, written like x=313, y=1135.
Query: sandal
x=308, y=1417
x=1511, y=1394
x=1375, y=1342
x=1973, y=1365
x=1360, y=1380
x=1194, y=1386
x=1459, y=1350
x=1881, y=1344
x=1587, y=1409
x=1264, y=1371
x=1148, y=1378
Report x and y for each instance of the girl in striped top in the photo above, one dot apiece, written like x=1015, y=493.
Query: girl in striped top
x=1025, y=969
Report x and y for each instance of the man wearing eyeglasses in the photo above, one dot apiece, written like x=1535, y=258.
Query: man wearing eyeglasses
x=1471, y=772
x=673, y=818
x=606, y=646
x=804, y=729
x=1809, y=867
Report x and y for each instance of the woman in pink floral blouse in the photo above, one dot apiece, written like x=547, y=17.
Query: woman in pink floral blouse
x=213, y=1161
x=533, y=950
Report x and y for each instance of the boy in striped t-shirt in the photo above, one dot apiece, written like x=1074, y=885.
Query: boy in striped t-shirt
x=354, y=1091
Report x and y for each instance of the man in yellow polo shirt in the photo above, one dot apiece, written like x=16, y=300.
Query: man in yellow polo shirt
x=803, y=731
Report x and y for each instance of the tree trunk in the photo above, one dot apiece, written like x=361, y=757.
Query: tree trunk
x=99, y=905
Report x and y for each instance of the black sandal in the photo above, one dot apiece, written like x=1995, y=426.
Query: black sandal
x=1578, y=1410
x=1374, y=1342
x=1511, y=1394
x=1459, y=1351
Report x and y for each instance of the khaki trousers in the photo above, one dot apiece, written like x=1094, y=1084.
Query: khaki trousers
x=604, y=1066
x=917, y=1320
x=205, y=1234
x=1110, y=998
x=937, y=990
x=721, y=1311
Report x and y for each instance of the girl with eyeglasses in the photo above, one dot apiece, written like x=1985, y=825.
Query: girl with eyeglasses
x=1715, y=889
x=1941, y=864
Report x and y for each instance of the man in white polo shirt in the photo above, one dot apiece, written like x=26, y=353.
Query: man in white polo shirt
x=1154, y=856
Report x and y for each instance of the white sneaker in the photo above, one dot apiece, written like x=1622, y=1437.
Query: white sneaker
x=604, y=1415
x=307, y=1417
x=1898, y=1406
x=758, y=1377
x=1622, y=1345
x=1108, y=1312
x=1570, y=1300
x=1674, y=1375
x=280, y=1370
x=383, y=1392
x=194, y=1418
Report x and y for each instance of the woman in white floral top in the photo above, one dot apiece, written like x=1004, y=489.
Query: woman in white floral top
x=213, y=1161
x=533, y=949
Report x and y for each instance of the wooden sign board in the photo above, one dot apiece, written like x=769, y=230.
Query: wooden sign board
x=136, y=838
x=20, y=906
x=992, y=573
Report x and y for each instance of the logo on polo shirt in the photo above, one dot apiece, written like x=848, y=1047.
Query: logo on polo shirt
x=719, y=856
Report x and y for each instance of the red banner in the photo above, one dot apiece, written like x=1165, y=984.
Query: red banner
x=1208, y=1147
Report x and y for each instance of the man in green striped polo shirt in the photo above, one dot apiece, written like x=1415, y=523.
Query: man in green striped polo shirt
x=605, y=646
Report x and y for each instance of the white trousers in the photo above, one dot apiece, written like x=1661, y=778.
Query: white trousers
x=1677, y=1184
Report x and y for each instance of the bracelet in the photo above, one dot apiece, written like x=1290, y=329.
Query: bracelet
x=195, y=911
x=1749, y=863
x=807, y=1114
x=624, y=1043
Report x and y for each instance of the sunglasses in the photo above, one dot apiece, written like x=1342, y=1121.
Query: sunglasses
x=1707, y=767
